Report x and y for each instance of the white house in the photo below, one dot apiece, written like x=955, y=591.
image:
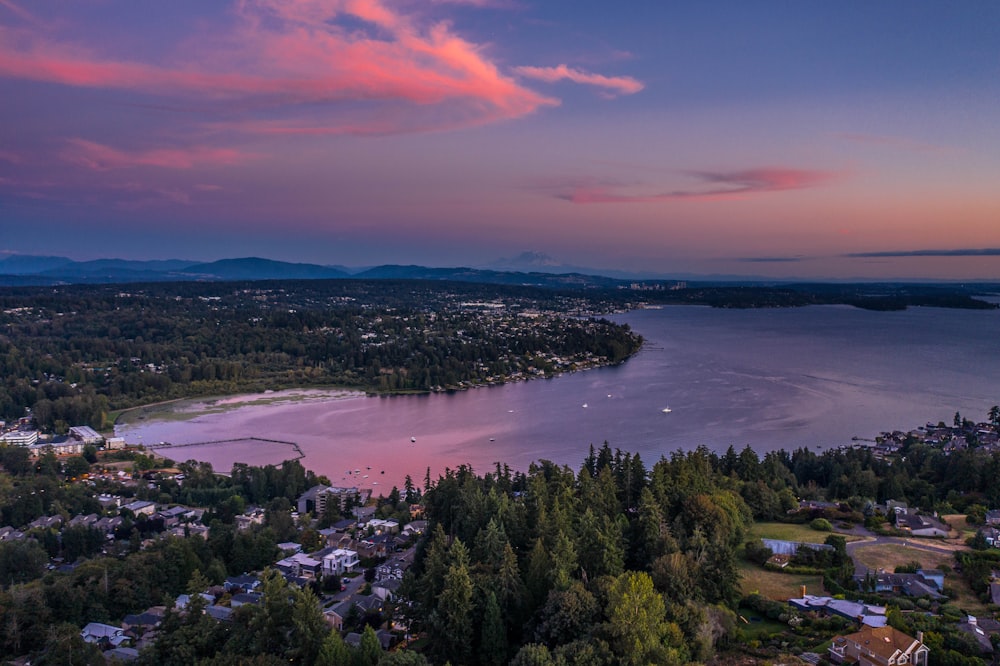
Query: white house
x=340, y=561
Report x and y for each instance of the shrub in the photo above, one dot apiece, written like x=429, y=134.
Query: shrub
x=821, y=525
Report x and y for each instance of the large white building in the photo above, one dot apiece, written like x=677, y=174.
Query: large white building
x=20, y=437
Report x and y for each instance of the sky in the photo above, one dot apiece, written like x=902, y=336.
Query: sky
x=847, y=140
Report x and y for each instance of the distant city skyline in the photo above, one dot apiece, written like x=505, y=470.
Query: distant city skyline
x=787, y=140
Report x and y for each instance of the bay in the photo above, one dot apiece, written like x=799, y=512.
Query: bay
x=769, y=378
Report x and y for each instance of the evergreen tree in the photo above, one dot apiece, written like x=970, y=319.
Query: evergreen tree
x=493, y=637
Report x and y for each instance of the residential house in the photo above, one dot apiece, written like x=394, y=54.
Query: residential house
x=299, y=564
x=995, y=594
x=46, y=522
x=379, y=526
x=921, y=526
x=344, y=525
x=242, y=583
x=935, y=576
x=866, y=614
x=141, y=623
x=8, y=533
x=980, y=630
x=991, y=535
x=184, y=599
x=336, y=615
x=88, y=520
x=912, y=585
x=103, y=634
x=340, y=561
x=242, y=598
x=387, y=589
x=879, y=646
x=395, y=567
x=109, y=524
x=993, y=517
x=220, y=613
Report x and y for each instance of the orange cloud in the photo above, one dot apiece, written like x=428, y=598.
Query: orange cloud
x=621, y=85
x=99, y=157
x=282, y=57
x=722, y=185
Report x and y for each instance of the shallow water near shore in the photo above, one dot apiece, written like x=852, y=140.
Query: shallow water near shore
x=815, y=376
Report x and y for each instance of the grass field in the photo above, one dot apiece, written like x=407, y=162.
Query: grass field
x=775, y=585
x=787, y=532
x=957, y=522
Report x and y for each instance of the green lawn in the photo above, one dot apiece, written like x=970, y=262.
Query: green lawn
x=776, y=585
x=789, y=532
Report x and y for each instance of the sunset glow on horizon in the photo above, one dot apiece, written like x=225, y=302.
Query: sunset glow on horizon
x=846, y=141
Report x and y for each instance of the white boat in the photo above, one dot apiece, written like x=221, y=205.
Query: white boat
x=585, y=405
x=667, y=410
x=413, y=439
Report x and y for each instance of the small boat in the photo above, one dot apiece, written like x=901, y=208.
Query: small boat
x=667, y=410
x=383, y=471
x=365, y=476
x=493, y=439
x=585, y=405
x=510, y=411
x=413, y=439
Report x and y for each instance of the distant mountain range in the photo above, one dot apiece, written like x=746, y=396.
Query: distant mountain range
x=26, y=270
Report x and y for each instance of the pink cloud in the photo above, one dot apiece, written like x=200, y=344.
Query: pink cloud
x=285, y=58
x=621, y=85
x=722, y=185
x=10, y=156
x=99, y=157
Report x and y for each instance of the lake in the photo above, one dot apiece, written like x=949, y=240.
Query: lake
x=770, y=378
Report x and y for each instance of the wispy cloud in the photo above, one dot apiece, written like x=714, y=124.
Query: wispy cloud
x=336, y=61
x=612, y=85
x=717, y=185
x=969, y=252
x=99, y=157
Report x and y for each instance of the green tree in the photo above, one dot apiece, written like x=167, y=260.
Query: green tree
x=637, y=627
x=453, y=625
x=370, y=649
x=334, y=651
x=493, y=636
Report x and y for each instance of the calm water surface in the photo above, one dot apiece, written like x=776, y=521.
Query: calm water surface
x=814, y=376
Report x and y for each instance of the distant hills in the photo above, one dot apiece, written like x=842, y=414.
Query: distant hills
x=25, y=270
